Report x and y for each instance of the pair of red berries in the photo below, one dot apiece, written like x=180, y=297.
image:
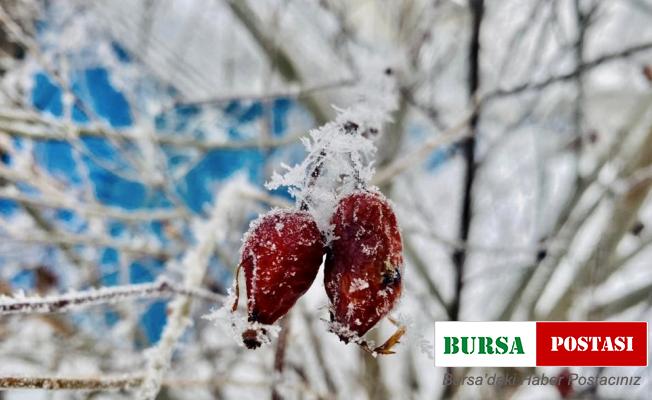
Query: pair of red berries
x=283, y=250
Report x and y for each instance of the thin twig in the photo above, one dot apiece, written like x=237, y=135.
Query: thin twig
x=622, y=303
x=468, y=150
x=621, y=216
x=422, y=270
x=56, y=383
x=49, y=130
x=104, y=383
x=626, y=258
x=195, y=264
x=91, y=209
x=276, y=54
x=288, y=93
x=279, y=356
x=532, y=86
x=318, y=348
x=61, y=238
x=162, y=288
x=400, y=165
x=458, y=256
x=568, y=223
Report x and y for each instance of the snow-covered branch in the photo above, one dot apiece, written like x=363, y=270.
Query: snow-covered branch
x=162, y=288
x=62, y=238
x=42, y=129
x=68, y=383
x=564, y=77
x=113, y=383
x=452, y=135
x=194, y=265
x=86, y=209
x=289, y=93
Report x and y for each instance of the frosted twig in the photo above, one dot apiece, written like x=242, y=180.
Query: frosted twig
x=453, y=134
x=56, y=383
x=614, y=306
x=29, y=172
x=62, y=238
x=288, y=93
x=276, y=54
x=120, y=382
x=422, y=269
x=279, y=356
x=316, y=346
x=264, y=197
x=535, y=278
x=17, y=33
x=622, y=215
x=194, y=264
x=91, y=209
x=340, y=152
x=162, y=288
x=626, y=258
x=50, y=130
x=586, y=66
x=54, y=197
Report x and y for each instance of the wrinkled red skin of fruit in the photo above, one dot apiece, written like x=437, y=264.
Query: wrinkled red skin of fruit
x=364, y=263
x=280, y=258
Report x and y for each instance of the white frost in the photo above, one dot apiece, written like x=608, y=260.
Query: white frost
x=358, y=284
x=340, y=153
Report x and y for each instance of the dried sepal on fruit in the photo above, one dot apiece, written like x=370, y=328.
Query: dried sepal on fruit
x=364, y=266
x=280, y=258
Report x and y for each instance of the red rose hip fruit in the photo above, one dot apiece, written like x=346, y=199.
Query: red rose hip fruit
x=363, y=264
x=280, y=258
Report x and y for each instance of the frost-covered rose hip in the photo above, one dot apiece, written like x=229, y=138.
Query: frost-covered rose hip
x=363, y=264
x=280, y=258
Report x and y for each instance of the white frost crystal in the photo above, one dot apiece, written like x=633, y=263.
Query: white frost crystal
x=340, y=153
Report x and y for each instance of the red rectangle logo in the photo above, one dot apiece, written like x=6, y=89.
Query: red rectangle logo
x=592, y=344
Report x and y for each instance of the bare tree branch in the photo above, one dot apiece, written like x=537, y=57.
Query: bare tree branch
x=586, y=66
x=90, y=209
x=50, y=130
x=111, y=383
x=70, y=239
x=401, y=164
x=195, y=264
x=291, y=93
x=54, y=383
x=275, y=54
x=468, y=150
x=622, y=303
x=279, y=356
x=163, y=288
x=567, y=224
x=596, y=269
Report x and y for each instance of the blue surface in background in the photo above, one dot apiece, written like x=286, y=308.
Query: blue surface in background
x=113, y=187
